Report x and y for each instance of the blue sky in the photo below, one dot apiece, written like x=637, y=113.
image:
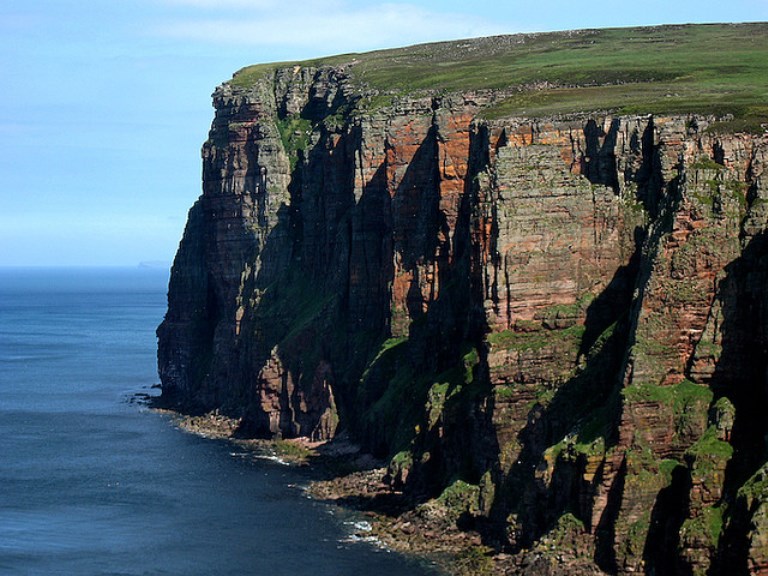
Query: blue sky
x=104, y=104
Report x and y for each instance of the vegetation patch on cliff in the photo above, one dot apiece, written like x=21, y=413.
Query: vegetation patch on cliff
x=391, y=378
x=709, y=446
x=707, y=527
x=679, y=396
x=537, y=339
x=294, y=134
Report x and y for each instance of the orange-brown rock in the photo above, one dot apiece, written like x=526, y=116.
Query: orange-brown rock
x=567, y=314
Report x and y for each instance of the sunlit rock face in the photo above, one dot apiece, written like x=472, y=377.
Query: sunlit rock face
x=569, y=313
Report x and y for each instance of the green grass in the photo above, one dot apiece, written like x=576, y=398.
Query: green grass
x=250, y=75
x=707, y=526
x=473, y=561
x=709, y=445
x=294, y=133
x=679, y=396
x=566, y=526
x=292, y=450
x=718, y=69
x=706, y=163
x=757, y=486
x=460, y=496
x=667, y=468
x=538, y=339
x=410, y=399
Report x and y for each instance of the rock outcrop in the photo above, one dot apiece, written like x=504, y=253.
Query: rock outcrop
x=567, y=313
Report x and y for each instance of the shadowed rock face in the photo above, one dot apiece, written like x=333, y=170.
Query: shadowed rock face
x=570, y=314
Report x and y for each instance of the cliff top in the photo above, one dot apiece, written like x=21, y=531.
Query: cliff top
x=718, y=69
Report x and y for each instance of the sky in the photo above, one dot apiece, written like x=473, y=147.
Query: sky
x=104, y=104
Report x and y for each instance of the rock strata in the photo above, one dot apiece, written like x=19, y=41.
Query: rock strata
x=557, y=325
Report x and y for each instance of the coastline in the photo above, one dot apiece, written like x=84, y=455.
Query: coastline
x=339, y=473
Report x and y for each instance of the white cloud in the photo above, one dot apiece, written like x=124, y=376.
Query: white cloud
x=328, y=26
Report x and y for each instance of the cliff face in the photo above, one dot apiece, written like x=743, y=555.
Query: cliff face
x=568, y=314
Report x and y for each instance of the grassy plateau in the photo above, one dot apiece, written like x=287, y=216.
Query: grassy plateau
x=718, y=69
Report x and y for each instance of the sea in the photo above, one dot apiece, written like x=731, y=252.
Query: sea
x=92, y=482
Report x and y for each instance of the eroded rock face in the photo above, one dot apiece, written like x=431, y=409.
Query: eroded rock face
x=568, y=313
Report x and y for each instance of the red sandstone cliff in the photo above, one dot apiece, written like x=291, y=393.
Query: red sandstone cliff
x=568, y=313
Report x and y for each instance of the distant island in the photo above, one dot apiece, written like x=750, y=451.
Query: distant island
x=514, y=287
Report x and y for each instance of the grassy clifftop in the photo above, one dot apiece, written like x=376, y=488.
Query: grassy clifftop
x=708, y=69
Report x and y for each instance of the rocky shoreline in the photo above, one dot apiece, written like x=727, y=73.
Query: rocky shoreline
x=340, y=473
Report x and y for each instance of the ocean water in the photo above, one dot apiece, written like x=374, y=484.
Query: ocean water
x=93, y=484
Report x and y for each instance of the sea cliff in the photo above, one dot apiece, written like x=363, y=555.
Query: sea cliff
x=556, y=318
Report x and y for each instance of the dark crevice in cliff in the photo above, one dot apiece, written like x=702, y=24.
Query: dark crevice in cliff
x=587, y=403
x=327, y=204
x=611, y=305
x=649, y=178
x=416, y=206
x=469, y=443
x=370, y=258
x=255, y=188
x=353, y=236
x=662, y=200
x=414, y=212
x=446, y=330
x=605, y=531
x=367, y=316
x=468, y=242
x=661, y=550
x=598, y=162
x=740, y=376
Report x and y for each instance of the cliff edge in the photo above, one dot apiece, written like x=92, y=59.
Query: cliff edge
x=527, y=269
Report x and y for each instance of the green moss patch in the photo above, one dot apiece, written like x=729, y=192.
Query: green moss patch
x=474, y=561
x=461, y=497
x=536, y=339
x=706, y=163
x=709, y=445
x=409, y=399
x=294, y=134
x=756, y=488
x=678, y=396
x=708, y=457
x=706, y=527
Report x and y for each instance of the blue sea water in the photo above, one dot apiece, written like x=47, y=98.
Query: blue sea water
x=93, y=484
